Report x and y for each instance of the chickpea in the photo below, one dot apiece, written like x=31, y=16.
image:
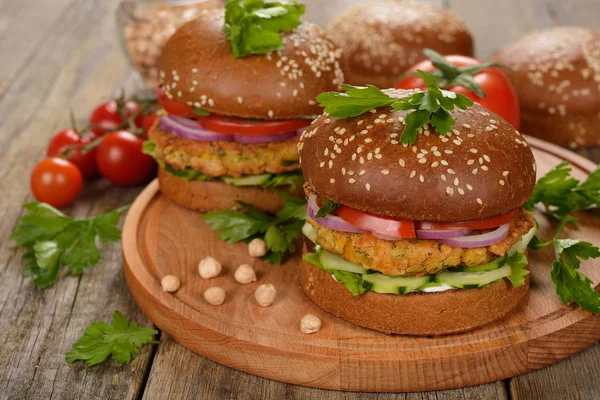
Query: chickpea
x=170, y=283
x=265, y=294
x=257, y=248
x=245, y=274
x=209, y=268
x=310, y=324
x=214, y=295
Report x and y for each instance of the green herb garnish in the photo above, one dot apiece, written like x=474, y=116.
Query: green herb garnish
x=327, y=208
x=121, y=340
x=279, y=231
x=255, y=26
x=201, y=112
x=55, y=241
x=561, y=195
x=448, y=74
x=432, y=106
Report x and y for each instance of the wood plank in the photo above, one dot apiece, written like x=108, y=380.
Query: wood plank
x=79, y=61
x=177, y=373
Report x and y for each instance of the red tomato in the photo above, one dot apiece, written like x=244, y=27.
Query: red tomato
x=401, y=228
x=500, y=95
x=174, y=107
x=56, y=181
x=106, y=116
x=148, y=121
x=120, y=160
x=486, y=223
x=86, y=162
x=220, y=124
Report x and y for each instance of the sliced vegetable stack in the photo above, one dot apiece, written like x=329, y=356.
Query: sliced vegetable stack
x=415, y=219
x=238, y=88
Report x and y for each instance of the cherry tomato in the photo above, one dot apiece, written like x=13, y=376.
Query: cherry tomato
x=485, y=223
x=120, y=160
x=500, y=95
x=86, y=162
x=106, y=116
x=400, y=228
x=56, y=181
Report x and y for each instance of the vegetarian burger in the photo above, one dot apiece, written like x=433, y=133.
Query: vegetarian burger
x=420, y=232
x=234, y=109
x=381, y=40
x=556, y=74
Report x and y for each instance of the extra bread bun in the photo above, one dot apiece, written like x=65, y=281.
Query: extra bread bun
x=206, y=196
x=197, y=68
x=481, y=169
x=381, y=40
x=418, y=314
x=556, y=74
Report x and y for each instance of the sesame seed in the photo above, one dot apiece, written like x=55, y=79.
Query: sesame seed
x=479, y=201
x=435, y=164
x=361, y=172
x=474, y=151
x=484, y=167
x=450, y=171
x=383, y=116
x=421, y=178
x=474, y=172
x=449, y=191
x=448, y=151
x=240, y=100
x=443, y=177
x=422, y=161
x=501, y=182
x=270, y=113
x=456, y=181
x=413, y=174
x=401, y=162
x=469, y=187
x=352, y=180
x=322, y=164
x=470, y=162
x=330, y=164
x=486, y=158
x=385, y=171
x=368, y=187
x=368, y=140
x=467, y=126
x=332, y=180
x=505, y=173
x=444, y=163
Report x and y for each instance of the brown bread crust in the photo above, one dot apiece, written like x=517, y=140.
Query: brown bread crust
x=381, y=40
x=206, y=196
x=417, y=314
x=197, y=68
x=556, y=74
x=482, y=169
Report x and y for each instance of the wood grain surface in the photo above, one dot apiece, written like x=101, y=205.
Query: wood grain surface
x=64, y=53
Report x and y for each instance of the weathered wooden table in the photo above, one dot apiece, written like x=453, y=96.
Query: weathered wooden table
x=64, y=53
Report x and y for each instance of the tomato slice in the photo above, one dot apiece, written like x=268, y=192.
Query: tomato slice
x=486, y=223
x=400, y=228
x=174, y=107
x=220, y=124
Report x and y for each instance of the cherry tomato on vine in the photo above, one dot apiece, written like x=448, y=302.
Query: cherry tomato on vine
x=120, y=160
x=85, y=161
x=106, y=118
x=500, y=96
x=56, y=181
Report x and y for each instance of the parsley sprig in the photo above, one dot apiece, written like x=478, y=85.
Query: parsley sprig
x=279, y=231
x=431, y=106
x=448, y=74
x=327, y=208
x=55, y=241
x=561, y=194
x=255, y=26
x=121, y=340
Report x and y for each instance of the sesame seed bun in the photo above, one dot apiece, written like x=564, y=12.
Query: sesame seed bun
x=418, y=314
x=206, y=196
x=556, y=74
x=481, y=169
x=381, y=40
x=197, y=68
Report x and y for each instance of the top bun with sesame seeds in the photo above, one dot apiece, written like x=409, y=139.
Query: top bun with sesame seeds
x=556, y=74
x=197, y=68
x=481, y=169
x=381, y=40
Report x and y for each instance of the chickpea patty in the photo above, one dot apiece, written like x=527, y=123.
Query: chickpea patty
x=414, y=256
x=225, y=158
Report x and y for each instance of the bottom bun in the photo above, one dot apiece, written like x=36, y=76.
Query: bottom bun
x=418, y=314
x=217, y=195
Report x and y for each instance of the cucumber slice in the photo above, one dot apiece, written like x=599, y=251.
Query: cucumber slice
x=394, y=284
x=471, y=280
x=521, y=245
x=250, y=180
x=333, y=261
x=494, y=264
x=309, y=232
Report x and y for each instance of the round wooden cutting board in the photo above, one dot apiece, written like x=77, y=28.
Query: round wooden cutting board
x=162, y=238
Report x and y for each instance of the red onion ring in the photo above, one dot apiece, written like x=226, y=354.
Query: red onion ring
x=191, y=130
x=248, y=139
x=442, y=234
x=386, y=237
x=330, y=221
x=482, y=240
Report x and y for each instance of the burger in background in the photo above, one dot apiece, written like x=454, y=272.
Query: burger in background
x=381, y=40
x=556, y=74
x=415, y=220
x=238, y=87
